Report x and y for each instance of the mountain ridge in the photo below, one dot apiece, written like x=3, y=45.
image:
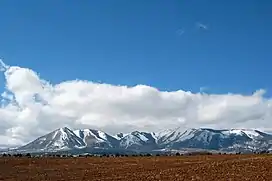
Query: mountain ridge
x=170, y=139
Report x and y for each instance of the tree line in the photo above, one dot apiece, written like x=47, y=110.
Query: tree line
x=29, y=155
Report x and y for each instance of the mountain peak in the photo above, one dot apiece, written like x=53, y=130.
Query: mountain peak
x=65, y=129
x=59, y=139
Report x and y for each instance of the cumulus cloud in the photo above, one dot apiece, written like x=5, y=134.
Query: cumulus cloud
x=31, y=107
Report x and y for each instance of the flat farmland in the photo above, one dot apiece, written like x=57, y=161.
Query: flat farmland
x=212, y=167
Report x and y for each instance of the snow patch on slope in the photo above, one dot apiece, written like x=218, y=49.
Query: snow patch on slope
x=248, y=132
x=174, y=135
x=138, y=138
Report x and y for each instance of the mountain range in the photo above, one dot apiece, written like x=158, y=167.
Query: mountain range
x=88, y=140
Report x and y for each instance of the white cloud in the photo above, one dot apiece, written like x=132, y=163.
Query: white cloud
x=3, y=66
x=32, y=107
x=201, y=26
x=180, y=32
x=203, y=89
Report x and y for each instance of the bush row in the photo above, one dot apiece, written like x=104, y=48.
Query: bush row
x=124, y=155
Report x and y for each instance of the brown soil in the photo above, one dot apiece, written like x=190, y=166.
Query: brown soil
x=205, y=168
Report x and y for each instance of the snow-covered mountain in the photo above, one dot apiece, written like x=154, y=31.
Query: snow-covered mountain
x=226, y=140
x=139, y=141
x=171, y=139
x=60, y=139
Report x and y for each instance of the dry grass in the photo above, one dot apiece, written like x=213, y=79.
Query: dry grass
x=214, y=167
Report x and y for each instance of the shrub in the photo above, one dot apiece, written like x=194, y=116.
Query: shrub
x=28, y=155
x=117, y=155
x=264, y=152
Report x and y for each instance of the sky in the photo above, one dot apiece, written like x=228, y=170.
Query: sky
x=133, y=65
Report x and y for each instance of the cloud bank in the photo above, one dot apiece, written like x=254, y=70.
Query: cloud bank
x=31, y=107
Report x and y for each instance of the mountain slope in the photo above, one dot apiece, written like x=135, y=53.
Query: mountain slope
x=169, y=136
x=139, y=141
x=95, y=138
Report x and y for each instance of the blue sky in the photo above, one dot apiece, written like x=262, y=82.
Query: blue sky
x=136, y=42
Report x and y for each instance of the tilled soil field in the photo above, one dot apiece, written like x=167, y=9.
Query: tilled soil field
x=213, y=167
